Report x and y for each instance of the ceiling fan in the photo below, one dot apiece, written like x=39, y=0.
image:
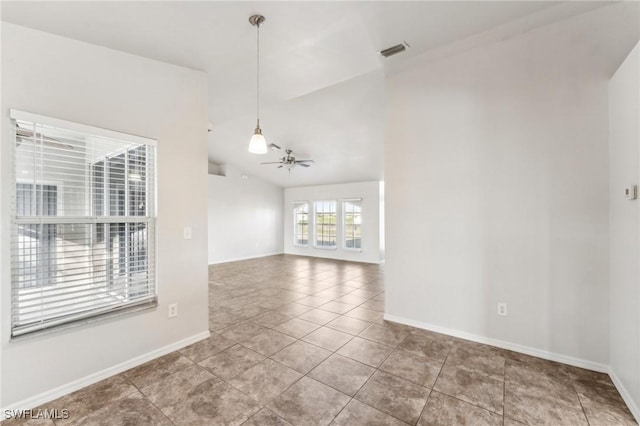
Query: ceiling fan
x=290, y=161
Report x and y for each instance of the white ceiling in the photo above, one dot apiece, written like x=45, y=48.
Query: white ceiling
x=322, y=78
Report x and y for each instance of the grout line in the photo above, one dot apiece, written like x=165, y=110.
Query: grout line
x=391, y=374
x=462, y=400
x=434, y=383
x=375, y=369
x=504, y=390
x=233, y=387
x=584, y=412
x=322, y=270
x=342, y=409
x=151, y=402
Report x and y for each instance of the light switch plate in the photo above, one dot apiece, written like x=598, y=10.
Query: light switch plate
x=188, y=233
x=631, y=192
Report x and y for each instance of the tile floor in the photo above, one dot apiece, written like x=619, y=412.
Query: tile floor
x=301, y=341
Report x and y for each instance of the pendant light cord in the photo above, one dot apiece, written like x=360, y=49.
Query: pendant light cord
x=258, y=76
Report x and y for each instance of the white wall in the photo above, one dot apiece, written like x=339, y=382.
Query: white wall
x=245, y=217
x=62, y=78
x=624, y=170
x=370, y=194
x=496, y=177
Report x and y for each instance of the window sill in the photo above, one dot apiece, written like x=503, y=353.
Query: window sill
x=85, y=321
x=325, y=248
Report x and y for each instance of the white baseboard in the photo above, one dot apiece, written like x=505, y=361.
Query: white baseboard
x=328, y=254
x=236, y=259
x=551, y=356
x=50, y=395
x=631, y=404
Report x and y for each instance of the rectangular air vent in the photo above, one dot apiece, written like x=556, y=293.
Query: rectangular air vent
x=394, y=50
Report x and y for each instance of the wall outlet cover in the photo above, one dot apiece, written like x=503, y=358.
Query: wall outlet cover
x=173, y=310
x=502, y=309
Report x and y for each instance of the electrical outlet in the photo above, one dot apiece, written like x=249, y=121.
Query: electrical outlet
x=502, y=309
x=173, y=310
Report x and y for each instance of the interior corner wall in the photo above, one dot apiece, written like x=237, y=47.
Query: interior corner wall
x=371, y=210
x=84, y=83
x=624, y=171
x=496, y=173
x=245, y=217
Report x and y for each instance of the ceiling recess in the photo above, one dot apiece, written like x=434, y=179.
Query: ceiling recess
x=394, y=50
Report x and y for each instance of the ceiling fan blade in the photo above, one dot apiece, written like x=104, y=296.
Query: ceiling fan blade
x=305, y=161
x=273, y=162
x=280, y=166
x=304, y=164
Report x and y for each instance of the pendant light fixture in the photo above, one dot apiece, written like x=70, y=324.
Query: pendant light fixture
x=257, y=144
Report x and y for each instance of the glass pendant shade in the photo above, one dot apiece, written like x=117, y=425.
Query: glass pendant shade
x=258, y=144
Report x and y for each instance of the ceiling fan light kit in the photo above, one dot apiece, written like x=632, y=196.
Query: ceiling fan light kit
x=258, y=143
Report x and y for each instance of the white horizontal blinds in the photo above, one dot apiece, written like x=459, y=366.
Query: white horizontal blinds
x=83, y=231
x=301, y=223
x=325, y=224
x=352, y=214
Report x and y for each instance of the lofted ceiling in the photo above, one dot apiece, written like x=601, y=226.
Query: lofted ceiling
x=322, y=78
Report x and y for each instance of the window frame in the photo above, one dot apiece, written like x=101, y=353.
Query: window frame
x=80, y=316
x=343, y=202
x=315, y=225
x=296, y=205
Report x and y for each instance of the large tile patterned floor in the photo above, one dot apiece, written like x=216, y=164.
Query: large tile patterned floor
x=301, y=341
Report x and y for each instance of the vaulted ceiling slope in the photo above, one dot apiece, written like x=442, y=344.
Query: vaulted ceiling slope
x=322, y=78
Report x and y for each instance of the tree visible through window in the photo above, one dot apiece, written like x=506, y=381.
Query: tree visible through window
x=325, y=224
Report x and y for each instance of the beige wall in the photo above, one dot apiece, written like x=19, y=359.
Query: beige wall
x=245, y=217
x=496, y=173
x=624, y=216
x=84, y=83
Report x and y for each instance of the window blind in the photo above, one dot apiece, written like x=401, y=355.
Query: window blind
x=83, y=222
